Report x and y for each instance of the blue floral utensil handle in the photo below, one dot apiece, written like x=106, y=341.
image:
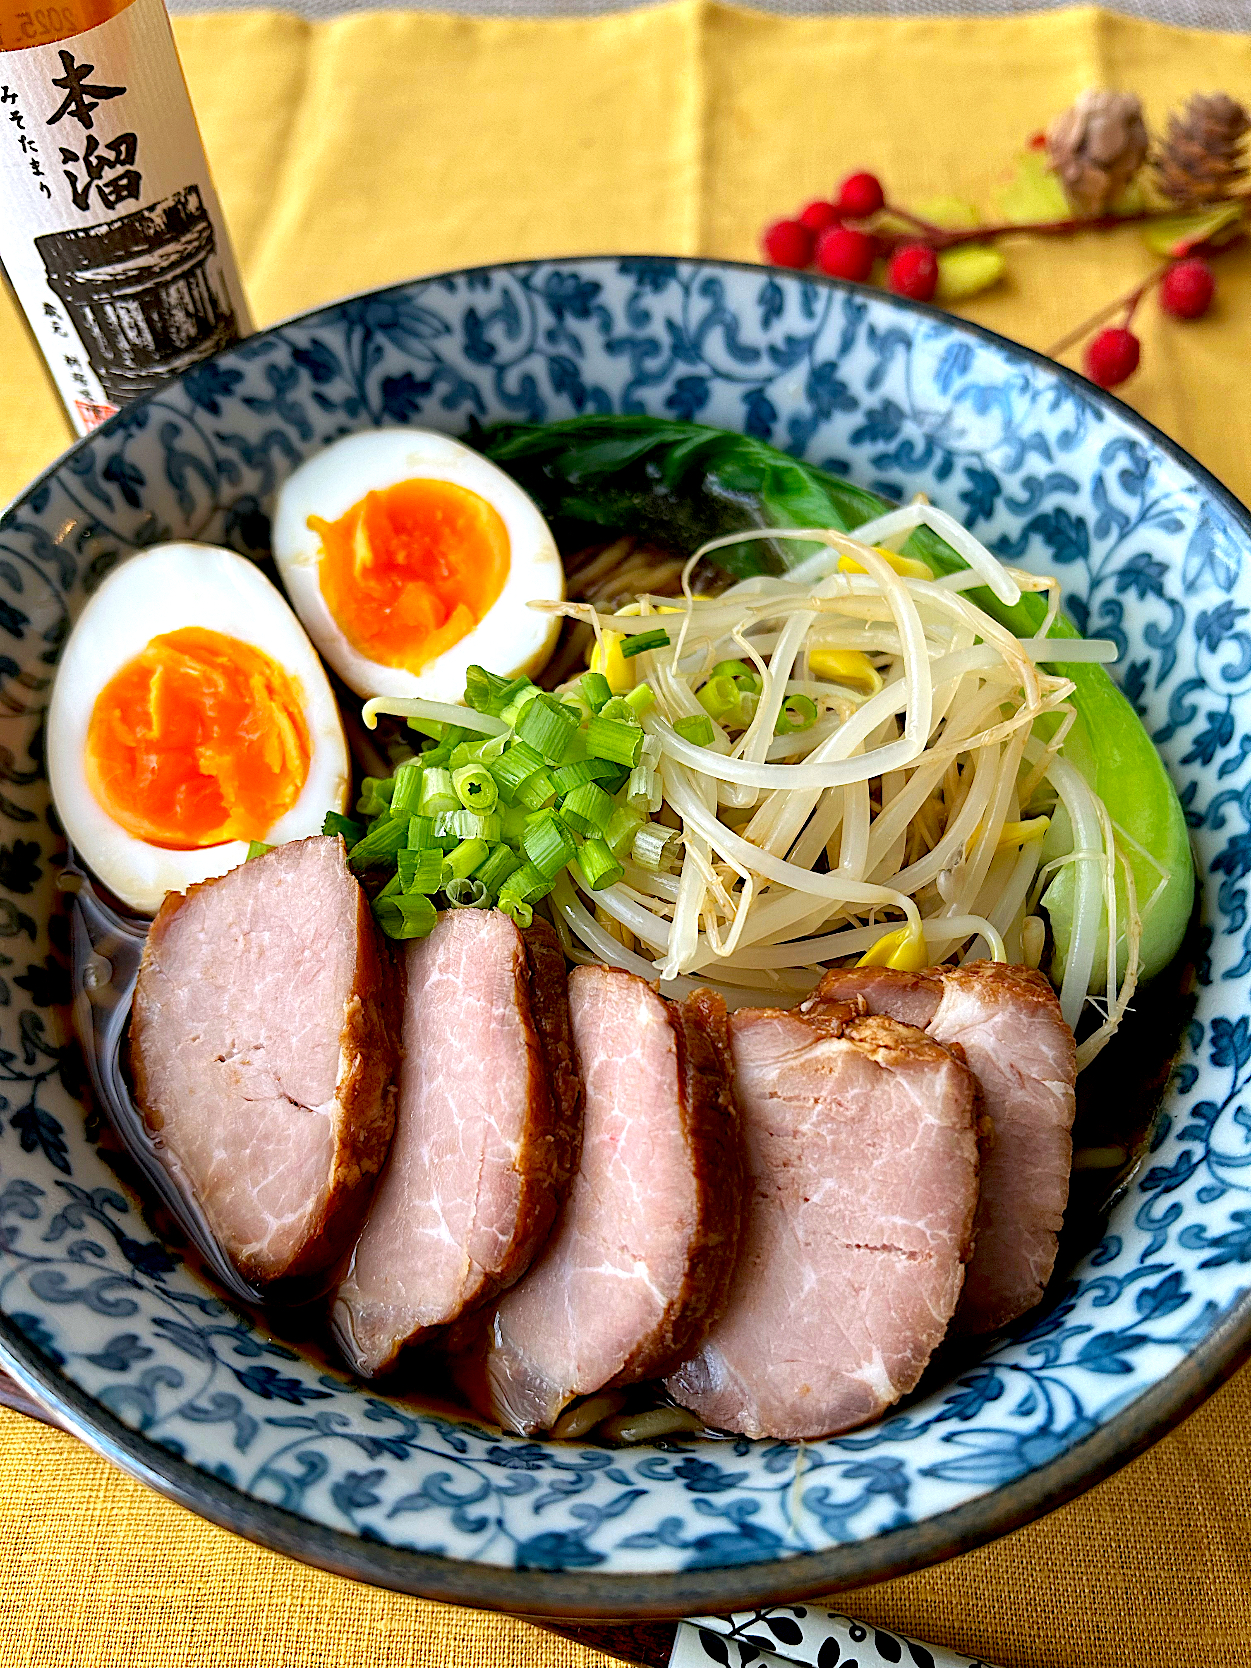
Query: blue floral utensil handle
x=802, y=1636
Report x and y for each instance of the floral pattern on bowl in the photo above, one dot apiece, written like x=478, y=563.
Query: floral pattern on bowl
x=109, y=1326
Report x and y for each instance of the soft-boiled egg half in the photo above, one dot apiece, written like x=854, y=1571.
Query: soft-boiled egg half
x=410, y=557
x=189, y=717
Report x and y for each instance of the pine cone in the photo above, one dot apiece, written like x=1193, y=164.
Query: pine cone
x=1201, y=157
x=1097, y=147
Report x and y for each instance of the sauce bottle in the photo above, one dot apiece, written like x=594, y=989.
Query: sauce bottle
x=111, y=235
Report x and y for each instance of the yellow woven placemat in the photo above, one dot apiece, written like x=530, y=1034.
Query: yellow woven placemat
x=367, y=150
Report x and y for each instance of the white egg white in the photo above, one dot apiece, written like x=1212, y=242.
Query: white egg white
x=165, y=589
x=510, y=639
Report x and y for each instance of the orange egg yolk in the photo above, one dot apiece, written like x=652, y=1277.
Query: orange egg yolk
x=410, y=570
x=199, y=739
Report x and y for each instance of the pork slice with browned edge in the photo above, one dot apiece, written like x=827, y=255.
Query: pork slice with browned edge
x=263, y=1055
x=863, y=1163
x=487, y=1133
x=641, y=1259
x=1007, y=1020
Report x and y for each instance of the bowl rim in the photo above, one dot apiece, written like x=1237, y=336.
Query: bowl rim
x=590, y=1595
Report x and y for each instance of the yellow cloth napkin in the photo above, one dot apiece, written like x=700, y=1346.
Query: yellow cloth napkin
x=362, y=151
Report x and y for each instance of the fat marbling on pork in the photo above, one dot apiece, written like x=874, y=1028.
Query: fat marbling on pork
x=1007, y=1020
x=641, y=1259
x=487, y=1133
x=263, y=1055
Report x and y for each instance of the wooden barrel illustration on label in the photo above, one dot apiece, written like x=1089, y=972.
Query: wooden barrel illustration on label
x=146, y=293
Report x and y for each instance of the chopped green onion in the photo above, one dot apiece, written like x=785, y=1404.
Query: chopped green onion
x=469, y=893
x=799, y=712
x=536, y=792
x=392, y=886
x=437, y=793
x=697, y=729
x=454, y=738
x=576, y=751
x=570, y=776
x=517, y=764
x=513, y=823
x=520, y=701
x=527, y=884
x=619, y=708
x=498, y=867
x=517, y=910
x=256, y=848
x=644, y=793
x=432, y=727
x=596, y=688
x=610, y=738
x=643, y=642
x=385, y=838
x=655, y=847
x=621, y=830
x=640, y=698
x=468, y=825
x=407, y=915
x=521, y=891
x=468, y=856
x=475, y=787
x=420, y=833
x=587, y=809
x=407, y=789
x=598, y=865
x=548, y=726
x=349, y=829
x=745, y=676
x=487, y=692
x=481, y=751
x=375, y=796
x=420, y=871
x=548, y=845
x=573, y=700
x=722, y=699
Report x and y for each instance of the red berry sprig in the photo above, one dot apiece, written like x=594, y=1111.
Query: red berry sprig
x=843, y=252
x=818, y=216
x=843, y=238
x=1186, y=288
x=1112, y=356
x=860, y=196
x=913, y=272
x=820, y=236
x=788, y=243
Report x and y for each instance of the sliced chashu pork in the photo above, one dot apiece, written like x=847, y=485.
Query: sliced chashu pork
x=863, y=1164
x=263, y=1055
x=641, y=1259
x=1008, y=1022
x=487, y=1133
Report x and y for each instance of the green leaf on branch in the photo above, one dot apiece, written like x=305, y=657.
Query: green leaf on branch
x=953, y=214
x=1033, y=193
x=967, y=271
x=1178, y=234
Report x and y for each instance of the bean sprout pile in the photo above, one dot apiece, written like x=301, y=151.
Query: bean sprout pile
x=899, y=818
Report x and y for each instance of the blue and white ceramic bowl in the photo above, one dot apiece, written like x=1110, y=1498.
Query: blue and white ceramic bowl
x=139, y=1356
